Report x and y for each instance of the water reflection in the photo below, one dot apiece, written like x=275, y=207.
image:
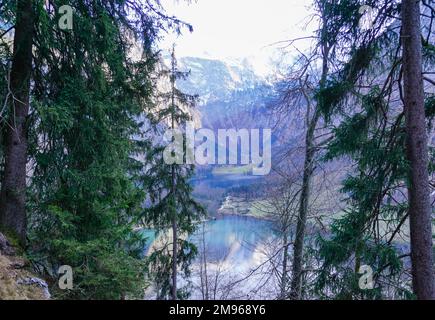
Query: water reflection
x=234, y=247
x=233, y=238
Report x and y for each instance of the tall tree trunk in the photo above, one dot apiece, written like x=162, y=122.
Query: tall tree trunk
x=284, y=265
x=174, y=246
x=298, y=248
x=204, y=275
x=417, y=153
x=173, y=190
x=13, y=189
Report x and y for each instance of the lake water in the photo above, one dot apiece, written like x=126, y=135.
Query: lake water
x=235, y=246
x=233, y=238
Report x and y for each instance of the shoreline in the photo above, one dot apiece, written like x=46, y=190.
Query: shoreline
x=251, y=216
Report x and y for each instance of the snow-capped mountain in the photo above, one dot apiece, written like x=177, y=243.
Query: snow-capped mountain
x=233, y=96
x=215, y=80
x=231, y=93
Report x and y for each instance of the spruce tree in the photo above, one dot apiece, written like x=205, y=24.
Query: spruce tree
x=173, y=212
x=417, y=153
x=13, y=215
x=366, y=99
x=87, y=91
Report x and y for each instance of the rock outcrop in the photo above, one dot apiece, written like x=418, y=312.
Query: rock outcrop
x=5, y=247
x=16, y=281
x=234, y=206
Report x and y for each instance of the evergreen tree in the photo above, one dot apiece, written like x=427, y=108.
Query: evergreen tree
x=366, y=95
x=13, y=188
x=173, y=212
x=88, y=90
x=417, y=154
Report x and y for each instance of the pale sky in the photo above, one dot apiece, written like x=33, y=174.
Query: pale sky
x=238, y=28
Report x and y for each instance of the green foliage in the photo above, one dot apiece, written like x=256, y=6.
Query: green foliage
x=356, y=51
x=88, y=93
x=363, y=96
x=170, y=192
x=375, y=196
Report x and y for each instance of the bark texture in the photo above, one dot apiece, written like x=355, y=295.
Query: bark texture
x=13, y=188
x=298, y=249
x=417, y=153
x=310, y=151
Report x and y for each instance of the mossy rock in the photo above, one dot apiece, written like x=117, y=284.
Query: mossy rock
x=16, y=282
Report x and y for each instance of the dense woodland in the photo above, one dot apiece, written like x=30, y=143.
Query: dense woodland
x=82, y=116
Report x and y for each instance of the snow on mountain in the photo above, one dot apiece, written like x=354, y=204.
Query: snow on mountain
x=215, y=80
x=233, y=96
